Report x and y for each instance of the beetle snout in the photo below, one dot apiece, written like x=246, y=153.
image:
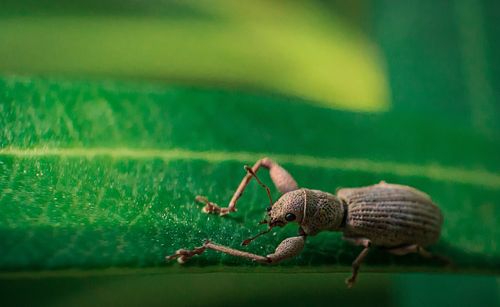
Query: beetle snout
x=276, y=222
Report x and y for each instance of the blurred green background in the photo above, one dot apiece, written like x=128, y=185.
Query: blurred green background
x=433, y=62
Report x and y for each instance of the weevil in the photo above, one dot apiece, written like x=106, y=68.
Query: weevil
x=397, y=218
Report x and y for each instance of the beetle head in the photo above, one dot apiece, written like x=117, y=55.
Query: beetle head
x=289, y=208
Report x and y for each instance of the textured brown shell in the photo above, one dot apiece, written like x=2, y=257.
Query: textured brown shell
x=391, y=215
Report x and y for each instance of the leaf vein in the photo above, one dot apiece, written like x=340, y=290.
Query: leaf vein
x=433, y=171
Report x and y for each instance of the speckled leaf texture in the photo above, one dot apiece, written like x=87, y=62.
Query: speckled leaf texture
x=98, y=175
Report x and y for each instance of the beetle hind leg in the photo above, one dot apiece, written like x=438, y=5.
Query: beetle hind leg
x=415, y=248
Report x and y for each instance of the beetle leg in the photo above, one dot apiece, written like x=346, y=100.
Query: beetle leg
x=357, y=262
x=283, y=181
x=415, y=248
x=288, y=248
x=183, y=255
x=409, y=249
x=357, y=241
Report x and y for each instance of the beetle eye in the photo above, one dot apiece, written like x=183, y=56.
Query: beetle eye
x=290, y=217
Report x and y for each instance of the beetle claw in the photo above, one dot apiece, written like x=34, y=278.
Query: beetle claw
x=183, y=255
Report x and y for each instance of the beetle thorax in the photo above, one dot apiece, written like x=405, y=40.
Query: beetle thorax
x=324, y=211
x=314, y=210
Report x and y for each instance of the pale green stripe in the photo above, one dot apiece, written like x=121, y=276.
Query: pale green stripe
x=430, y=171
x=480, y=94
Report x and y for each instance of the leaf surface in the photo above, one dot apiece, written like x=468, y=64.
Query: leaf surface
x=104, y=174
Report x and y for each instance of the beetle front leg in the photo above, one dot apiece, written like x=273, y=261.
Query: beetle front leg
x=288, y=248
x=183, y=255
x=283, y=181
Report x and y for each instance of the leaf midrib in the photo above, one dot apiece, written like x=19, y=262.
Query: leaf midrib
x=434, y=171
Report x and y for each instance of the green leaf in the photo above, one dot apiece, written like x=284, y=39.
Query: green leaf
x=104, y=174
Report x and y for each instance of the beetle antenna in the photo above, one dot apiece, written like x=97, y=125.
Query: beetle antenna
x=251, y=172
x=247, y=241
x=264, y=221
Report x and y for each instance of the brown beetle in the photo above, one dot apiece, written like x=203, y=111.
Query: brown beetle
x=399, y=218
